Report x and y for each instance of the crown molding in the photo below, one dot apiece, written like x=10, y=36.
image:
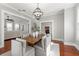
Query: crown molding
x=4, y=11
x=4, y=4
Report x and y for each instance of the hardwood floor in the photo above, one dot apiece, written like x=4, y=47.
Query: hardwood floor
x=7, y=46
x=70, y=51
x=61, y=44
x=66, y=50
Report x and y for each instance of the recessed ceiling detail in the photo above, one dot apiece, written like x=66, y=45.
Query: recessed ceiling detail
x=37, y=12
x=47, y=8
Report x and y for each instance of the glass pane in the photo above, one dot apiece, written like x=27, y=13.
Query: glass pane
x=9, y=26
x=17, y=27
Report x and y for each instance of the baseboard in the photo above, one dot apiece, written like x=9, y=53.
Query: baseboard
x=58, y=39
x=72, y=44
x=8, y=53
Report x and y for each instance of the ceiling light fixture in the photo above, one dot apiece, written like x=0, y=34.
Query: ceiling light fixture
x=8, y=19
x=37, y=12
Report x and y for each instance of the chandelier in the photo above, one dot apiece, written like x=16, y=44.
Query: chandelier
x=37, y=12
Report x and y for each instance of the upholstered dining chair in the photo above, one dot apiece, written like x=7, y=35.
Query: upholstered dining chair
x=43, y=48
x=25, y=35
x=55, y=49
x=20, y=48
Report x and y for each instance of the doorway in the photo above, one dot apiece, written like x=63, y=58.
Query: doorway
x=47, y=28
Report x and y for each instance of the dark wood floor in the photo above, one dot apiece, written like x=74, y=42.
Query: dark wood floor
x=66, y=50
x=61, y=44
x=7, y=46
x=70, y=51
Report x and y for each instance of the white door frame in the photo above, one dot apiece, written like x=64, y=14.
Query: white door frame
x=2, y=29
x=2, y=24
x=52, y=21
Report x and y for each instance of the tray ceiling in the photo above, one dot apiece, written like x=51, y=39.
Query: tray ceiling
x=47, y=8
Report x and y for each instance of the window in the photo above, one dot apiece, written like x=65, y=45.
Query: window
x=17, y=27
x=22, y=27
x=9, y=26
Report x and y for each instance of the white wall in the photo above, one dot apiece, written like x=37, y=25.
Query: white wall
x=77, y=22
x=2, y=7
x=34, y=21
x=1, y=30
x=69, y=24
x=44, y=24
x=13, y=33
x=57, y=25
x=72, y=30
x=77, y=25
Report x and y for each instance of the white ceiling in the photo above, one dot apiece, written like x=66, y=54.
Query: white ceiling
x=47, y=8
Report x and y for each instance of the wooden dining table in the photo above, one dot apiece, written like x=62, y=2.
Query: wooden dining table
x=31, y=41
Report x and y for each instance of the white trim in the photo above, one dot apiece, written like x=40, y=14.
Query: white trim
x=3, y=11
x=14, y=9
x=45, y=21
x=2, y=24
x=69, y=43
x=30, y=27
x=14, y=14
x=72, y=44
x=8, y=53
x=9, y=6
x=52, y=21
x=2, y=29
